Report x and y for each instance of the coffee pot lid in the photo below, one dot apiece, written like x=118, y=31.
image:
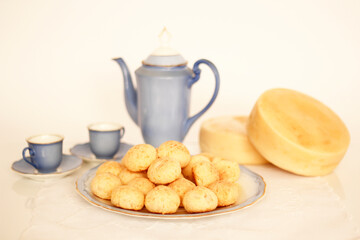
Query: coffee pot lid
x=164, y=55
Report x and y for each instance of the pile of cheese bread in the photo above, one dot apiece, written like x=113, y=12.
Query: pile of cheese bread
x=166, y=178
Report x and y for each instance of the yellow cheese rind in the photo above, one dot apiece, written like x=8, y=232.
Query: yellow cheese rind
x=226, y=137
x=297, y=133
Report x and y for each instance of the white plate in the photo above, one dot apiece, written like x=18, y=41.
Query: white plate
x=83, y=151
x=253, y=188
x=68, y=165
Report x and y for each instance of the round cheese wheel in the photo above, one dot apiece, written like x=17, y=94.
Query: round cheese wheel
x=297, y=133
x=226, y=137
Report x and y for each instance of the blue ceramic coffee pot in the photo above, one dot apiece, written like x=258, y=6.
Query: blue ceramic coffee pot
x=160, y=104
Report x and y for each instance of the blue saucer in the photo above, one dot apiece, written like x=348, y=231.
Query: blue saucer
x=68, y=165
x=83, y=151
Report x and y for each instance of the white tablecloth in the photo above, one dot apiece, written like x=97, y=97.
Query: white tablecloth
x=294, y=207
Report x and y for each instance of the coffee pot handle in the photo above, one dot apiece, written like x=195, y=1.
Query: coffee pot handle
x=190, y=121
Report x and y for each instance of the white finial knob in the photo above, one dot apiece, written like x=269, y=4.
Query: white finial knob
x=164, y=55
x=164, y=49
x=165, y=38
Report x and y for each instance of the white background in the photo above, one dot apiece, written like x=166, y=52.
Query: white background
x=56, y=72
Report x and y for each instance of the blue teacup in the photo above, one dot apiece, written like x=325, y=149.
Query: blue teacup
x=45, y=152
x=105, y=139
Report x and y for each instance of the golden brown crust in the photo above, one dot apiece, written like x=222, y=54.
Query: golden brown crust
x=175, y=151
x=187, y=171
x=205, y=173
x=164, y=171
x=103, y=184
x=143, y=184
x=226, y=192
x=162, y=199
x=228, y=170
x=126, y=175
x=210, y=156
x=182, y=186
x=139, y=157
x=128, y=197
x=110, y=166
x=200, y=199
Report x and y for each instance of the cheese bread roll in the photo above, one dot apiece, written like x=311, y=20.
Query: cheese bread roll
x=139, y=157
x=128, y=197
x=226, y=192
x=200, y=199
x=164, y=171
x=143, y=184
x=112, y=167
x=126, y=175
x=210, y=156
x=228, y=170
x=175, y=151
x=162, y=199
x=205, y=173
x=103, y=184
x=188, y=170
x=182, y=186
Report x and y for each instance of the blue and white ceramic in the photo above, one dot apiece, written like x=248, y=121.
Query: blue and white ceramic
x=253, y=189
x=160, y=104
x=105, y=139
x=45, y=152
x=68, y=165
x=84, y=152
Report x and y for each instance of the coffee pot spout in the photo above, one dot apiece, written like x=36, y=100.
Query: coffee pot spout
x=129, y=91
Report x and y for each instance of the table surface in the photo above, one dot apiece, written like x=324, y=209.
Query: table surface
x=17, y=212
x=57, y=75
